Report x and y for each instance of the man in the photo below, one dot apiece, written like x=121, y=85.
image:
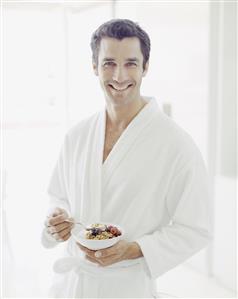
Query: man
x=129, y=165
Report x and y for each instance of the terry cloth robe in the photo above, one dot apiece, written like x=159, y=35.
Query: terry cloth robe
x=153, y=184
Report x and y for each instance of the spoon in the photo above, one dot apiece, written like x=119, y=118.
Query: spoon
x=80, y=223
x=86, y=228
x=74, y=222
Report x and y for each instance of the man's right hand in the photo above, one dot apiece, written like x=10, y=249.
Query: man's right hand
x=56, y=225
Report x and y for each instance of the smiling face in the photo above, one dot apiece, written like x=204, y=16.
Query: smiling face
x=120, y=70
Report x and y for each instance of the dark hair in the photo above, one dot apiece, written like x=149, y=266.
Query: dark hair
x=119, y=29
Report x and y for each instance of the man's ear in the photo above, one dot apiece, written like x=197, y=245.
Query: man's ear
x=146, y=69
x=95, y=69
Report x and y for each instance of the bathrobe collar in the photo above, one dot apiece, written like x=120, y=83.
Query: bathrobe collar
x=127, y=138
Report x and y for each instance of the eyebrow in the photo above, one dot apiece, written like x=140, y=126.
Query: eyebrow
x=134, y=59
x=108, y=59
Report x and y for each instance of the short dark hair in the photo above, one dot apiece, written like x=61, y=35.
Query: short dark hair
x=119, y=29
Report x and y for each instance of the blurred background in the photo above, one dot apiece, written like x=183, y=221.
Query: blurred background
x=48, y=86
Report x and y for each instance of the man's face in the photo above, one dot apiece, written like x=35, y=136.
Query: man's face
x=120, y=69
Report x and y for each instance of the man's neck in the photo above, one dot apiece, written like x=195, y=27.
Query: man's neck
x=119, y=117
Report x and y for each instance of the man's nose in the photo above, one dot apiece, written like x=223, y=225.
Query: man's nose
x=120, y=74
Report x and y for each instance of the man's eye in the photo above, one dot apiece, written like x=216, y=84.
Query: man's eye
x=131, y=64
x=109, y=63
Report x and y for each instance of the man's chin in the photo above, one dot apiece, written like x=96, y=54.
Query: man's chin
x=119, y=102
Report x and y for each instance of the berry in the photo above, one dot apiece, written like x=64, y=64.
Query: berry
x=94, y=231
x=114, y=230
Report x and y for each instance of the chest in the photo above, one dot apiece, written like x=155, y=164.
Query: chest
x=111, y=138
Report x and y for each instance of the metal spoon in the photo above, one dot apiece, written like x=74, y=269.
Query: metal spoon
x=86, y=228
x=80, y=223
x=74, y=222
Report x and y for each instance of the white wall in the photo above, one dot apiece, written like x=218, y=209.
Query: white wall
x=34, y=116
x=222, y=144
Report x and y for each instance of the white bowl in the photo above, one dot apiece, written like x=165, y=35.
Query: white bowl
x=79, y=236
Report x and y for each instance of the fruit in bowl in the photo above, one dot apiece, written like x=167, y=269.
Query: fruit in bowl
x=102, y=231
x=98, y=236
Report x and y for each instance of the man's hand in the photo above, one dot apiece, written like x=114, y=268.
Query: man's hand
x=122, y=250
x=56, y=225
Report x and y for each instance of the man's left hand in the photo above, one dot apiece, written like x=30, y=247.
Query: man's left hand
x=122, y=250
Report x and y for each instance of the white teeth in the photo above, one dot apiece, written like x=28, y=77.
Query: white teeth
x=120, y=89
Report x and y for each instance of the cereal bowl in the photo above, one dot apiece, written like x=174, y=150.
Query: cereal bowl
x=79, y=235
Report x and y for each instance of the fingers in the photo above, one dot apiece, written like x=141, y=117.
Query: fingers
x=92, y=260
x=109, y=260
x=60, y=227
x=55, y=220
x=56, y=225
x=89, y=252
x=116, y=249
x=108, y=256
x=64, y=232
x=106, y=252
x=103, y=261
x=58, y=211
x=62, y=235
x=66, y=237
x=105, y=258
x=99, y=254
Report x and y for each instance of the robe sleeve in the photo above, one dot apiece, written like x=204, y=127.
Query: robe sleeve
x=58, y=190
x=189, y=229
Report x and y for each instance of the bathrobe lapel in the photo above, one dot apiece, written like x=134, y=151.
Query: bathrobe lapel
x=90, y=205
x=127, y=139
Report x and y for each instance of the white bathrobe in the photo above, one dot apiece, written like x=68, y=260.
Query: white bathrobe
x=153, y=184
